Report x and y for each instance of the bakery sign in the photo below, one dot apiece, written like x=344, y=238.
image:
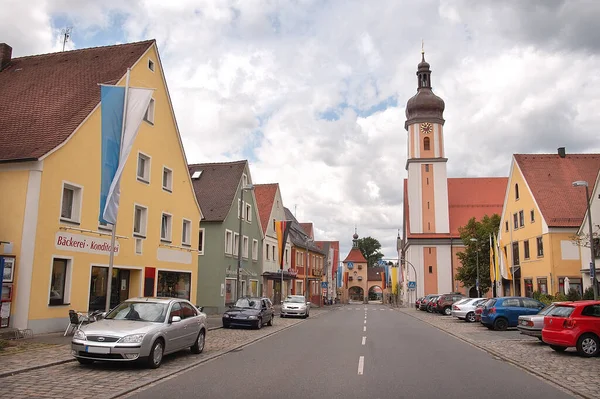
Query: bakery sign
x=81, y=243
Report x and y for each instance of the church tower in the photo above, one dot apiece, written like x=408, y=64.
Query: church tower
x=429, y=244
x=426, y=162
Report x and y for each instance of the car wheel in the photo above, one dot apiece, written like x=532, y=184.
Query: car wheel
x=225, y=325
x=500, y=324
x=281, y=315
x=156, y=354
x=259, y=324
x=198, y=346
x=470, y=317
x=84, y=361
x=447, y=311
x=270, y=323
x=558, y=348
x=588, y=345
x=429, y=309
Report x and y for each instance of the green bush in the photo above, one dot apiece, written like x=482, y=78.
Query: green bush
x=589, y=293
x=546, y=299
x=560, y=297
x=537, y=295
x=3, y=344
x=573, y=295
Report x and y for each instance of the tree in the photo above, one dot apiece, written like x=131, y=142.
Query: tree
x=370, y=247
x=467, y=272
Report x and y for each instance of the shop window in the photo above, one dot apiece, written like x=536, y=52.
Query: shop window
x=60, y=282
x=228, y=242
x=574, y=283
x=254, y=249
x=167, y=180
x=254, y=288
x=143, y=168
x=70, y=210
x=540, y=246
x=149, y=116
x=173, y=284
x=166, y=226
x=140, y=216
x=526, y=249
x=186, y=232
x=528, y=287
x=201, y=241
x=542, y=285
x=229, y=290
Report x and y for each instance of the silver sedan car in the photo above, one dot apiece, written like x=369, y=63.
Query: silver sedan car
x=532, y=325
x=142, y=329
x=465, y=308
x=295, y=305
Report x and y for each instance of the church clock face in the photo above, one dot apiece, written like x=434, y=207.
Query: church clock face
x=426, y=127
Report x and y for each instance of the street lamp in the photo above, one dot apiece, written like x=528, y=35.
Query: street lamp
x=580, y=183
x=477, y=265
x=403, y=260
x=238, y=284
x=306, y=291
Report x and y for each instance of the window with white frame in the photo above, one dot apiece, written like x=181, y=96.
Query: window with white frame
x=139, y=242
x=254, y=249
x=149, y=116
x=143, y=168
x=186, y=232
x=245, y=247
x=228, y=242
x=60, y=282
x=236, y=243
x=105, y=226
x=70, y=210
x=248, y=212
x=244, y=180
x=166, y=224
x=201, y=242
x=140, y=217
x=167, y=179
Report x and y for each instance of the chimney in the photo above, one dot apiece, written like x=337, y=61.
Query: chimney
x=561, y=152
x=5, y=55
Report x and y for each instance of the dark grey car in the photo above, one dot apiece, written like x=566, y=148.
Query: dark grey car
x=250, y=312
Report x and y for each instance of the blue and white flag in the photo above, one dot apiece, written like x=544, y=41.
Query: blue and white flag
x=115, y=152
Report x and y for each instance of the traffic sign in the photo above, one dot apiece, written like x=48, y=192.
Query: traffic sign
x=323, y=284
x=412, y=285
x=350, y=265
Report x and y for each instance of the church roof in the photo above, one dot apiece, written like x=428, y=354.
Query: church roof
x=550, y=179
x=467, y=198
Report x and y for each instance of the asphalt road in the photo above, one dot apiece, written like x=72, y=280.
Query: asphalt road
x=356, y=353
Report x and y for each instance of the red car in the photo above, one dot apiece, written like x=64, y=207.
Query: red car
x=574, y=324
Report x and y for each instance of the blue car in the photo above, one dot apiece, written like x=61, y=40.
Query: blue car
x=501, y=313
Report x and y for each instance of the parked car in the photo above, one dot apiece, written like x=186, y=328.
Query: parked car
x=141, y=329
x=444, y=303
x=418, y=302
x=295, y=305
x=249, y=312
x=465, y=308
x=532, y=325
x=479, y=309
x=574, y=324
x=501, y=313
x=425, y=301
x=432, y=304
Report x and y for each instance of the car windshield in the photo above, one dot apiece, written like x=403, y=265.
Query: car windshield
x=294, y=299
x=139, y=311
x=248, y=303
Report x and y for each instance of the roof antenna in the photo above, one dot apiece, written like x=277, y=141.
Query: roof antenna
x=295, y=209
x=66, y=34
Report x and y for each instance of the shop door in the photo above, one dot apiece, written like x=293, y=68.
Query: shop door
x=277, y=291
x=123, y=285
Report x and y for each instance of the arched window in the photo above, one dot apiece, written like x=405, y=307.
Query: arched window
x=516, y=191
x=426, y=146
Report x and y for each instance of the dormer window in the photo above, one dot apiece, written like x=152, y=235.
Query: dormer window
x=151, y=65
x=426, y=144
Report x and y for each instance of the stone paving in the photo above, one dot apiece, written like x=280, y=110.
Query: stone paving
x=108, y=380
x=568, y=370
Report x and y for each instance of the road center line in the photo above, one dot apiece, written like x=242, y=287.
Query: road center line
x=365, y=321
x=364, y=340
x=361, y=365
x=365, y=328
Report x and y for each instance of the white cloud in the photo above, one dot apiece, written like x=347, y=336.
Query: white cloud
x=262, y=77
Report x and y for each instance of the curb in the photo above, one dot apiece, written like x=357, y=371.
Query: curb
x=55, y=363
x=208, y=358
x=504, y=358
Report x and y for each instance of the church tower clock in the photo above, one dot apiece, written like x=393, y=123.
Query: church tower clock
x=426, y=162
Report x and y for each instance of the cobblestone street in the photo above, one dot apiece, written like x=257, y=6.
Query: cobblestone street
x=568, y=370
x=104, y=380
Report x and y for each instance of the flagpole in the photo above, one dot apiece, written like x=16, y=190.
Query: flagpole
x=111, y=258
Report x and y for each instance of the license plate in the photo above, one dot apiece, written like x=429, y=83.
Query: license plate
x=97, y=349
x=523, y=322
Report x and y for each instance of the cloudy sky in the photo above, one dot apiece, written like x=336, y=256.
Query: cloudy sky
x=312, y=93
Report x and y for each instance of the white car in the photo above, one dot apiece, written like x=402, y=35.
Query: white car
x=295, y=305
x=465, y=308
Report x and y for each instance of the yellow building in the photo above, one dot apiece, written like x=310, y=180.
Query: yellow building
x=541, y=215
x=50, y=170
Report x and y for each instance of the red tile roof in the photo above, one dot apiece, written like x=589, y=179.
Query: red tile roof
x=374, y=273
x=355, y=256
x=308, y=228
x=217, y=187
x=550, y=179
x=467, y=198
x=265, y=197
x=44, y=98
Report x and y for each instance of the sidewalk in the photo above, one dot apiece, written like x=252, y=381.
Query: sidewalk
x=50, y=349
